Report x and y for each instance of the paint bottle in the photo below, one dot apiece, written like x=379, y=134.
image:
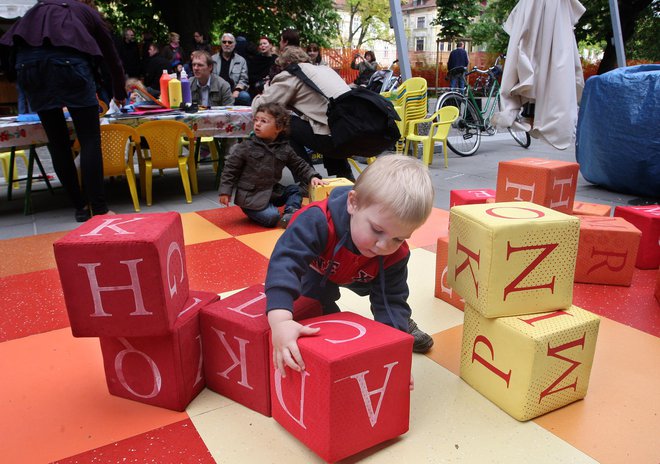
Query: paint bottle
x=174, y=91
x=185, y=88
x=164, y=94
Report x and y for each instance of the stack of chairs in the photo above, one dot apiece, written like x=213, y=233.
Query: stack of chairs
x=410, y=101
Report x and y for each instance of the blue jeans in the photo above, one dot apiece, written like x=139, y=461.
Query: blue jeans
x=457, y=82
x=243, y=98
x=270, y=215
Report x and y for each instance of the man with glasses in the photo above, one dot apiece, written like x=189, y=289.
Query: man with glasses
x=232, y=68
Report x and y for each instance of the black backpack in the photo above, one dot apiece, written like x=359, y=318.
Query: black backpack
x=362, y=122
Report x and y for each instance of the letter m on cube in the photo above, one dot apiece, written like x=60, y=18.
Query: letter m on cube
x=512, y=258
x=123, y=275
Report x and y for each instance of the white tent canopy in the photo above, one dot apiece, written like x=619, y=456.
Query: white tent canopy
x=15, y=9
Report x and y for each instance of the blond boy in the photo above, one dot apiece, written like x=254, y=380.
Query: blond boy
x=354, y=239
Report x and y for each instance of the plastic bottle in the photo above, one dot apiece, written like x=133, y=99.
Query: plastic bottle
x=174, y=86
x=164, y=89
x=185, y=88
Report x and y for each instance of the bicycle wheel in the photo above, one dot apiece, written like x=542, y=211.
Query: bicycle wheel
x=520, y=136
x=465, y=133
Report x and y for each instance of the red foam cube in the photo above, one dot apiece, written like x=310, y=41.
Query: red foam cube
x=549, y=183
x=123, y=275
x=235, y=336
x=591, y=209
x=442, y=288
x=470, y=197
x=647, y=219
x=164, y=370
x=607, y=250
x=657, y=288
x=354, y=392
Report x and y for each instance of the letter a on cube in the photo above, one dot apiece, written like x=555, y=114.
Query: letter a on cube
x=235, y=335
x=529, y=365
x=163, y=371
x=512, y=258
x=354, y=392
x=123, y=275
x=550, y=183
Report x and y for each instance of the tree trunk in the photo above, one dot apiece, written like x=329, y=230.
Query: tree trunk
x=628, y=13
x=186, y=17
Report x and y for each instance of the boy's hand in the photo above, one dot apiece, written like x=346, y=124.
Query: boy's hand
x=316, y=182
x=285, y=333
x=224, y=200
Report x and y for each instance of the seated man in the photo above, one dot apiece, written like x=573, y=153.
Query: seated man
x=232, y=67
x=207, y=89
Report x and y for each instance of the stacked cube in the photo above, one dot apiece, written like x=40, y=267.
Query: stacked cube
x=321, y=192
x=124, y=280
x=525, y=346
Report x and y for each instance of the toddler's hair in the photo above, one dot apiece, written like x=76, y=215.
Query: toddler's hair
x=280, y=113
x=399, y=184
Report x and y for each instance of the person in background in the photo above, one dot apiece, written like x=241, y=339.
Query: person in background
x=259, y=62
x=129, y=53
x=366, y=66
x=287, y=37
x=314, y=52
x=58, y=45
x=155, y=65
x=254, y=168
x=200, y=42
x=233, y=68
x=355, y=239
x=177, y=54
x=457, y=65
x=207, y=89
x=309, y=127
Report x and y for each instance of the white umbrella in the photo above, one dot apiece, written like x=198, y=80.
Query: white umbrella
x=543, y=67
x=15, y=9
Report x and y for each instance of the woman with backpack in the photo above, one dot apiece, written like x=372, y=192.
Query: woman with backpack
x=309, y=127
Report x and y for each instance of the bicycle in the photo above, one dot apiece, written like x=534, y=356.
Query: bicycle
x=465, y=133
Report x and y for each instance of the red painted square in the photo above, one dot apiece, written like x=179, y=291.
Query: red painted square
x=232, y=220
x=607, y=250
x=549, y=183
x=470, y=197
x=163, y=371
x=646, y=219
x=223, y=265
x=236, y=345
x=442, y=289
x=123, y=275
x=354, y=393
x=31, y=303
x=591, y=209
x=178, y=442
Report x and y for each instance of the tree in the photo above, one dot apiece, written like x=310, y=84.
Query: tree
x=317, y=21
x=368, y=20
x=454, y=17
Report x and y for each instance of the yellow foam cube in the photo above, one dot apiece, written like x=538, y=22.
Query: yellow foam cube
x=321, y=192
x=512, y=258
x=529, y=365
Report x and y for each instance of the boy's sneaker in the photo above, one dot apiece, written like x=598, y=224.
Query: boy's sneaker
x=423, y=341
x=286, y=218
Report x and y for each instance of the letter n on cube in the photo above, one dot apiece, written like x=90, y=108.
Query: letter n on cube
x=354, y=392
x=529, y=365
x=550, y=183
x=164, y=370
x=512, y=258
x=123, y=275
x=235, y=336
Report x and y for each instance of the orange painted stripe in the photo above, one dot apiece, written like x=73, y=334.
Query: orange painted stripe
x=28, y=254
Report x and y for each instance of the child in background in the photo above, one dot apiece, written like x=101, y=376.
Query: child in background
x=355, y=239
x=254, y=168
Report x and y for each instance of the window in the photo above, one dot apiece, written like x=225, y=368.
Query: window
x=419, y=2
x=421, y=22
x=419, y=44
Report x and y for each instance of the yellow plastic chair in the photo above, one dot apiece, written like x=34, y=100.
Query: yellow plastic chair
x=441, y=122
x=4, y=160
x=410, y=101
x=357, y=167
x=116, y=141
x=165, y=140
